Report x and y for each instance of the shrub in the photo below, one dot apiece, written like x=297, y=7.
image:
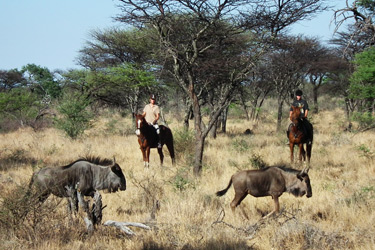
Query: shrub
x=184, y=143
x=365, y=119
x=75, y=116
x=257, y=162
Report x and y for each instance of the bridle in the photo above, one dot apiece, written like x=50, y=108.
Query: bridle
x=138, y=123
x=295, y=121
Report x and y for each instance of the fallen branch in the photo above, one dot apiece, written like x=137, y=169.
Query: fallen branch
x=124, y=226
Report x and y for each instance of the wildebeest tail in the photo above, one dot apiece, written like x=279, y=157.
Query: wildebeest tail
x=222, y=192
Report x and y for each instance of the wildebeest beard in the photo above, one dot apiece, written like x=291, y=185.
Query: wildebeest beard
x=297, y=192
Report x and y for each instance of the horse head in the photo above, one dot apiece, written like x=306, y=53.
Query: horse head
x=295, y=116
x=140, y=122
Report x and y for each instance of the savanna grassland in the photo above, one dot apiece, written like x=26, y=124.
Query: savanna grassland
x=181, y=209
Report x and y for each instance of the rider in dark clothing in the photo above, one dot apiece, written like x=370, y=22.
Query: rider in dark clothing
x=304, y=106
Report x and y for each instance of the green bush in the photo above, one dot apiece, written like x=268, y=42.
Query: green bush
x=184, y=143
x=18, y=105
x=75, y=115
x=365, y=119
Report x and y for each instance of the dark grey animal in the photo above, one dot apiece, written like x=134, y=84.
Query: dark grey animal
x=270, y=181
x=85, y=175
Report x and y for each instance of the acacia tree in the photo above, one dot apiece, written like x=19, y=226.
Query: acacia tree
x=362, y=86
x=10, y=79
x=115, y=46
x=362, y=13
x=322, y=60
x=287, y=67
x=200, y=21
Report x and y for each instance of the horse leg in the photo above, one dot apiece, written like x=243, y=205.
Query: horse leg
x=291, y=146
x=143, y=150
x=308, y=149
x=301, y=152
x=161, y=155
x=171, y=152
x=147, y=162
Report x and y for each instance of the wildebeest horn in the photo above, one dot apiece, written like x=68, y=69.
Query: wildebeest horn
x=114, y=160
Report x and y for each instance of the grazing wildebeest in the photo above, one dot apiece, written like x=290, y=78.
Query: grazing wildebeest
x=85, y=175
x=297, y=135
x=148, y=138
x=270, y=181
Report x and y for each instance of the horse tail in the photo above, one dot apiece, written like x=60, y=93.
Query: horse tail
x=222, y=192
x=169, y=143
x=172, y=147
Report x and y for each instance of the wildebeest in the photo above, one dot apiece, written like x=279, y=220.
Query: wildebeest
x=269, y=181
x=86, y=175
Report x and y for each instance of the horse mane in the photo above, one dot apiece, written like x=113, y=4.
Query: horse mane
x=92, y=159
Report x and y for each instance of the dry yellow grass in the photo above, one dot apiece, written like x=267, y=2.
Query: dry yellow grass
x=190, y=216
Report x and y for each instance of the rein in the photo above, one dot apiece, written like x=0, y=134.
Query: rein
x=296, y=132
x=141, y=130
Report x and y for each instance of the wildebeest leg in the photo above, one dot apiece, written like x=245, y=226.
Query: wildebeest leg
x=85, y=205
x=277, y=206
x=43, y=197
x=238, y=197
x=72, y=200
x=161, y=155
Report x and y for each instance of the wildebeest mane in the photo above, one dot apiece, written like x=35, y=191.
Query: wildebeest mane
x=92, y=159
x=283, y=167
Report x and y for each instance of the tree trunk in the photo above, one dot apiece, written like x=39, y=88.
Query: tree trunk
x=213, y=131
x=258, y=109
x=315, y=96
x=244, y=106
x=347, y=109
x=279, y=114
x=188, y=114
x=224, y=117
x=199, y=148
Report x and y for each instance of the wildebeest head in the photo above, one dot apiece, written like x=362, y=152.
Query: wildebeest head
x=116, y=179
x=302, y=186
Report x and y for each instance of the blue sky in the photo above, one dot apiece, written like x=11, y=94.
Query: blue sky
x=50, y=33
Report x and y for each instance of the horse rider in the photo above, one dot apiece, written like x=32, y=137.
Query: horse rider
x=304, y=107
x=151, y=112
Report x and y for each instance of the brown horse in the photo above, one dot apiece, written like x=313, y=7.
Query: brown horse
x=148, y=138
x=297, y=136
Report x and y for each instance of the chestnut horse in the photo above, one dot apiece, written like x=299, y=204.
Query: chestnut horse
x=297, y=136
x=148, y=138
